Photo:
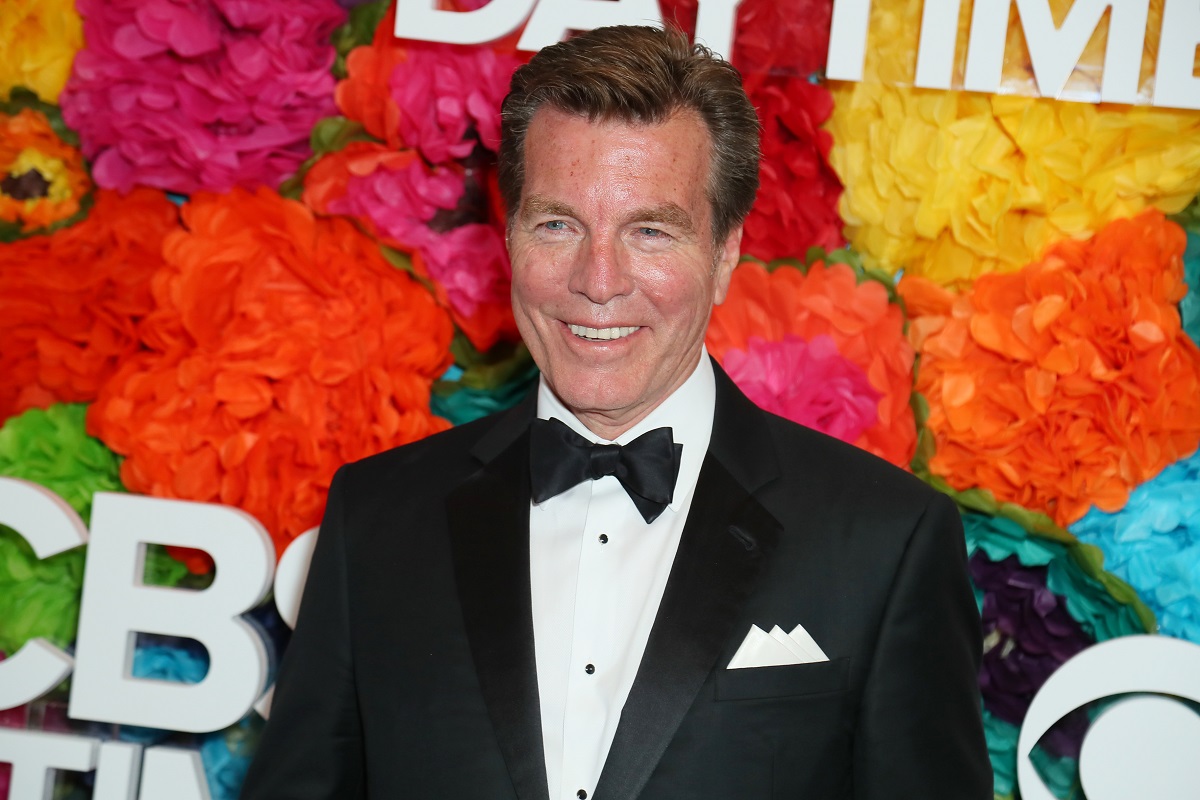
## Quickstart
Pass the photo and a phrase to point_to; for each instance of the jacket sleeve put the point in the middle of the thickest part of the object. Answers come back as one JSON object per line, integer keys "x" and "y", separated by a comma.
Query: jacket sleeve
{"x": 313, "y": 745}
{"x": 920, "y": 733}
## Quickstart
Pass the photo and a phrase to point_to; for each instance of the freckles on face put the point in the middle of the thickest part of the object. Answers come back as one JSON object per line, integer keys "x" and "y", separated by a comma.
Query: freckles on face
{"x": 614, "y": 271}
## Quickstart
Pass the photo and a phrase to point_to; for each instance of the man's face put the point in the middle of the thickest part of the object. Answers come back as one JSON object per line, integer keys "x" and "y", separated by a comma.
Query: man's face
{"x": 614, "y": 268}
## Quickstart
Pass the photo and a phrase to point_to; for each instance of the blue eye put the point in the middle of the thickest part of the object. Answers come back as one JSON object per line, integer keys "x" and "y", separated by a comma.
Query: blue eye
{"x": 556, "y": 225}
{"x": 652, "y": 232}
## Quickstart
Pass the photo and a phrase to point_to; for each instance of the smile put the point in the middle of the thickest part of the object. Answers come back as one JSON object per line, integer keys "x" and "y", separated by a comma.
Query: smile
{"x": 602, "y": 334}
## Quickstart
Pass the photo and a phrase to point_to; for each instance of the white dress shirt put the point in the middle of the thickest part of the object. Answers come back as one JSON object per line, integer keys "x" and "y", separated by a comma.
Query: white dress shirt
{"x": 598, "y": 572}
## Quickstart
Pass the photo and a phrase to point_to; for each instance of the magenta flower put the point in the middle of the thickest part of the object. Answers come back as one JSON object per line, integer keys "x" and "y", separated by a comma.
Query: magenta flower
{"x": 470, "y": 263}
{"x": 808, "y": 382}
{"x": 211, "y": 94}
{"x": 401, "y": 202}
{"x": 449, "y": 98}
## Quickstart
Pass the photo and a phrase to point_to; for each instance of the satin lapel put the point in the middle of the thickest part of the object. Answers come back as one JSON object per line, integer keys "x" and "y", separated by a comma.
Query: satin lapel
{"x": 489, "y": 529}
{"x": 726, "y": 543}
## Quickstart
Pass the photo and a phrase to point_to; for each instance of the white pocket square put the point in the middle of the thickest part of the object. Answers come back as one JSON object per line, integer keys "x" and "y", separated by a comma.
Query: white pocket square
{"x": 776, "y": 649}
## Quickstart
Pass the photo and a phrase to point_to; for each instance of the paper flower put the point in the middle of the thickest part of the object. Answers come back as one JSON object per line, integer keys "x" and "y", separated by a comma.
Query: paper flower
{"x": 69, "y": 302}
{"x": 952, "y": 185}
{"x": 808, "y": 382}
{"x": 448, "y": 98}
{"x": 469, "y": 264}
{"x": 51, "y": 448}
{"x": 42, "y": 178}
{"x": 796, "y": 206}
{"x": 1069, "y": 383}
{"x": 1154, "y": 544}
{"x": 38, "y": 597}
{"x": 422, "y": 210}
{"x": 187, "y": 96}
{"x": 226, "y": 756}
{"x": 771, "y": 37}
{"x": 280, "y": 347}
{"x": 1028, "y": 634}
{"x": 1041, "y": 601}
{"x": 38, "y": 40}
{"x": 441, "y": 99}
{"x": 857, "y": 317}
{"x": 1189, "y": 306}
{"x": 364, "y": 96}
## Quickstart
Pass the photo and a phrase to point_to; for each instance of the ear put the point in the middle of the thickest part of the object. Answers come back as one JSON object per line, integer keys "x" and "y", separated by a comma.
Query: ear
{"x": 727, "y": 259}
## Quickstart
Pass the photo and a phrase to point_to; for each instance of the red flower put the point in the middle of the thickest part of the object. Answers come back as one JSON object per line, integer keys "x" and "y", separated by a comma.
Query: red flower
{"x": 281, "y": 347}
{"x": 69, "y": 302}
{"x": 798, "y": 192}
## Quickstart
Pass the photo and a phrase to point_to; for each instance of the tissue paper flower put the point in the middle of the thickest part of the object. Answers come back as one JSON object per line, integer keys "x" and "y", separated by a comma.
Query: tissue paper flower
{"x": 51, "y": 448}
{"x": 829, "y": 302}
{"x": 42, "y": 178}
{"x": 441, "y": 99}
{"x": 770, "y": 37}
{"x": 420, "y": 210}
{"x": 40, "y": 597}
{"x": 187, "y": 96}
{"x": 1065, "y": 384}
{"x": 796, "y": 206}
{"x": 1042, "y": 600}
{"x": 449, "y": 98}
{"x": 281, "y": 346}
{"x": 1154, "y": 544}
{"x": 952, "y": 185}
{"x": 70, "y": 301}
{"x": 38, "y": 40}
{"x": 808, "y": 382}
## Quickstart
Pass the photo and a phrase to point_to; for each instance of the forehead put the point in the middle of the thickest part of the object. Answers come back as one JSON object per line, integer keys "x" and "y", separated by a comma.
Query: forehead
{"x": 570, "y": 151}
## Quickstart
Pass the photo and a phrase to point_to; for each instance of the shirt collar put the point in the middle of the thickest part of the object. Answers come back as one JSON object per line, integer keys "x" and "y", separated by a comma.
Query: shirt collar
{"x": 688, "y": 412}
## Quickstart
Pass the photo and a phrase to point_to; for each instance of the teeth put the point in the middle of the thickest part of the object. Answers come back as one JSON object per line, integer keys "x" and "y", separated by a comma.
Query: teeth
{"x": 602, "y": 334}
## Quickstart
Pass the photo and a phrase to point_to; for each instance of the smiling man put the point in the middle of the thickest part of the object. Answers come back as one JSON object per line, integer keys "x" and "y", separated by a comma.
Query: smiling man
{"x": 635, "y": 584}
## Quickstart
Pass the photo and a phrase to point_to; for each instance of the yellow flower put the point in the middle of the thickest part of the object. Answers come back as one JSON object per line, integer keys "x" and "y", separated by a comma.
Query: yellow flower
{"x": 952, "y": 185}
{"x": 38, "y": 42}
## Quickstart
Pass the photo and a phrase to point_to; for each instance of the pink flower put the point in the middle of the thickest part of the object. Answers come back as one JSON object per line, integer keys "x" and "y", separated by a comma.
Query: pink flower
{"x": 449, "y": 98}
{"x": 211, "y": 94}
{"x": 471, "y": 264}
{"x": 400, "y": 203}
{"x": 808, "y": 382}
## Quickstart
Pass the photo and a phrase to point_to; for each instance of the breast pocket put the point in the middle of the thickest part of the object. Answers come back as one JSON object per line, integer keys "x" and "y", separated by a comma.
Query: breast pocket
{"x": 791, "y": 680}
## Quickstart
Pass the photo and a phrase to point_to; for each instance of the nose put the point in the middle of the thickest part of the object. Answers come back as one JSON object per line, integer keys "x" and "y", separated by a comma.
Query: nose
{"x": 601, "y": 270}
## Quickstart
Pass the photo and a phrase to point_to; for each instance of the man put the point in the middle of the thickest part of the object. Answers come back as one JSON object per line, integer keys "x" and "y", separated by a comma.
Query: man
{"x": 503, "y": 611}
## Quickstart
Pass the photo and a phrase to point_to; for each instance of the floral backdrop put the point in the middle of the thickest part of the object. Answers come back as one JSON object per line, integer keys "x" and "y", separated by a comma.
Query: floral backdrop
{"x": 245, "y": 241}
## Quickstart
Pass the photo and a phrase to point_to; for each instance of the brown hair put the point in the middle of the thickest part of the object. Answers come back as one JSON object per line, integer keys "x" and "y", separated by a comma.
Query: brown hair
{"x": 639, "y": 75}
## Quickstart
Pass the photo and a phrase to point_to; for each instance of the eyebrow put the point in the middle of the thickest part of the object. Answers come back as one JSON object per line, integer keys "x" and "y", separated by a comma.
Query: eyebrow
{"x": 536, "y": 205}
{"x": 667, "y": 214}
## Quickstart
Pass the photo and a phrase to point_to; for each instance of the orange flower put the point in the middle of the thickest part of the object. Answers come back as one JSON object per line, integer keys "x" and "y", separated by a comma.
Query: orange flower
{"x": 365, "y": 95}
{"x": 281, "y": 347}
{"x": 828, "y": 301}
{"x": 1068, "y": 383}
{"x": 69, "y": 301}
{"x": 44, "y": 177}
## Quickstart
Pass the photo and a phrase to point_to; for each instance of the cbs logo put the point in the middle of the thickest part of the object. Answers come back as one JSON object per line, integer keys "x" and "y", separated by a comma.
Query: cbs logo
{"x": 1145, "y": 746}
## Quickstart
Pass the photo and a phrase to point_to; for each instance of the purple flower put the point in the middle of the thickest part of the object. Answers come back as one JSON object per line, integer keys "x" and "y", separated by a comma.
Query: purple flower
{"x": 1028, "y": 634}
{"x": 214, "y": 94}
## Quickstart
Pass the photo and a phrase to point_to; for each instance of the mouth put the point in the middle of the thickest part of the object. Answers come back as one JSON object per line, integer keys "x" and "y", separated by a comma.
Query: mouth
{"x": 602, "y": 334}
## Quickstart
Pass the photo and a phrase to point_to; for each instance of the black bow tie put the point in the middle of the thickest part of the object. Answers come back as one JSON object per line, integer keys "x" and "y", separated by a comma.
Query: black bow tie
{"x": 647, "y": 467}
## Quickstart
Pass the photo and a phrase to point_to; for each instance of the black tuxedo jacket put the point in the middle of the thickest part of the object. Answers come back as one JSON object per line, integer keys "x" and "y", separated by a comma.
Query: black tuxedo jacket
{"x": 411, "y": 672}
